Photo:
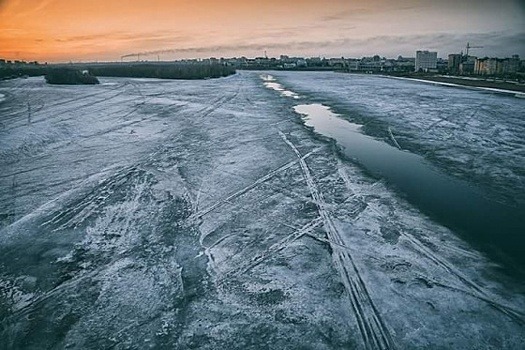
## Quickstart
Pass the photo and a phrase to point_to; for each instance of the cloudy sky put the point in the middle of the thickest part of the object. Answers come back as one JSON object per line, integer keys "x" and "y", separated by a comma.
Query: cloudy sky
{"x": 105, "y": 30}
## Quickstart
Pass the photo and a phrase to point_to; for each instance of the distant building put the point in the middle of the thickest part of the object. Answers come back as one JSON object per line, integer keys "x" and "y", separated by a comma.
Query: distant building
{"x": 352, "y": 64}
{"x": 262, "y": 60}
{"x": 466, "y": 67}
{"x": 442, "y": 65}
{"x": 454, "y": 60}
{"x": 497, "y": 66}
{"x": 425, "y": 61}
{"x": 485, "y": 66}
{"x": 511, "y": 65}
{"x": 315, "y": 62}
{"x": 301, "y": 62}
{"x": 371, "y": 64}
{"x": 405, "y": 64}
{"x": 336, "y": 62}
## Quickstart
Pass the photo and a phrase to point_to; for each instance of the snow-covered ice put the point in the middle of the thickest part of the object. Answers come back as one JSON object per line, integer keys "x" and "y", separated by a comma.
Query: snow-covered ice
{"x": 270, "y": 83}
{"x": 142, "y": 213}
{"x": 472, "y": 134}
{"x": 495, "y": 227}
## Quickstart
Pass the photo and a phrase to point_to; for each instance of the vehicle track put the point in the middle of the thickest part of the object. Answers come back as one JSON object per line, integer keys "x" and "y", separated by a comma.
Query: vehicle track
{"x": 84, "y": 207}
{"x": 62, "y": 103}
{"x": 273, "y": 249}
{"x": 394, "y": 141}
{"x": 473, "y": 289}
{"x": 373, "y": 329}
{"x": 52, "y": 115}
{"x": 117, "y": 224}
{"x": 83, "y": 97}
{"x": 215, "y": 104}
{"x": 275, "y": 188}
{"x": 242, "y": 191}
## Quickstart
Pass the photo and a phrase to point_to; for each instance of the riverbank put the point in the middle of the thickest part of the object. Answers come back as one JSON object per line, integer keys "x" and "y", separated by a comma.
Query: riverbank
{"x": 470, "y": 82}
{"x": 449, "y": 128}
{"x": 162, "y": 70}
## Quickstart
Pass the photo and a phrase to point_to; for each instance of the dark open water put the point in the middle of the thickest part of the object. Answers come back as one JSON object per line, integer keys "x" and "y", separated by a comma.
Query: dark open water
{"x": 495, "y": 228}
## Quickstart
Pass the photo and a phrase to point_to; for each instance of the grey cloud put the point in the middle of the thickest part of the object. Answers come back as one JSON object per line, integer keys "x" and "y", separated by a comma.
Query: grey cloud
{"x": 161, "y": 37}
{"x": 495, "y": 44}
{"x": 364, "y": 12}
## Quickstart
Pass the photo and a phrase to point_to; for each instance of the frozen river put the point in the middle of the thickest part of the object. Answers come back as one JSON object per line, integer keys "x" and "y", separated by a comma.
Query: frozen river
{"x": 142, "y": 213}
{"x": 491, "y": 225}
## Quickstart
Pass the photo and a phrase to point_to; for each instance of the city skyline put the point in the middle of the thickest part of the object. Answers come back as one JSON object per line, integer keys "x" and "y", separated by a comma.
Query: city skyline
{"x": 61, "y": 31}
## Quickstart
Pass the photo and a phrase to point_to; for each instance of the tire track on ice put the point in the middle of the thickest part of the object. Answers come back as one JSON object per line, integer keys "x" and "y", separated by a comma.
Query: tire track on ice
{"x": 77, "y": 212}
{"x": 242, "y": 191}
{"x": 83, "y": 97}
{"x": 474, "y": 289}
{"x": 118, "y": 223}
{"x": 393, "y": 138}
{"x": 373, "y": 329}
{"x": 216, "y": 104}
{"x": 275, "y": 188}
{"x": 22, "y": 113}
{"x": 273, "y": 249}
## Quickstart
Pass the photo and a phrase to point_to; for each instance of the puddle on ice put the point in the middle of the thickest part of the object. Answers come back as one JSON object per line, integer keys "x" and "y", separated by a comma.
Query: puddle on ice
{"x": 452, "y": 202}
{"x": 270, "y": 83}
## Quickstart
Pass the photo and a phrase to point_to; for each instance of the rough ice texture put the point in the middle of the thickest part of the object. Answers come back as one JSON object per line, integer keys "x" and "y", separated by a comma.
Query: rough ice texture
{"x": 471, "y": 134}
{"x": 202, "y": 214}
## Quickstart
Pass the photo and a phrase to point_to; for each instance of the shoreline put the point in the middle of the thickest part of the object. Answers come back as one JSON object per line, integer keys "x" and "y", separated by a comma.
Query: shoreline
{"x": 484, "y": 85}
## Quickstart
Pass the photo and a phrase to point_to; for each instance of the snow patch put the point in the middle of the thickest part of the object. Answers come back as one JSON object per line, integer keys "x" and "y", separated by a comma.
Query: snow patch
{"x": 270, "y": 83}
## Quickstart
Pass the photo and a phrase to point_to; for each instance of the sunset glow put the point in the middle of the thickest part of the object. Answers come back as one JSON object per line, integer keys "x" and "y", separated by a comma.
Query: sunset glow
{"x": 64, "y": 30}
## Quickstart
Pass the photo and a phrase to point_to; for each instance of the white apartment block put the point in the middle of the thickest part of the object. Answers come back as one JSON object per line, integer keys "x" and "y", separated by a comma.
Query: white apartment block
{"x": 425, "y": 60}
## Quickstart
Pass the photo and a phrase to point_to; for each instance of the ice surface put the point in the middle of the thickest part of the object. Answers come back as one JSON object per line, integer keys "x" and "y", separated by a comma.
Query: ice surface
{"x": 471, "y": 134}
{"x": 270, "y": 83}
{"x": 141, "y": 213}
{"x": 490, "y": 225}
{"x": 502, "y": 91}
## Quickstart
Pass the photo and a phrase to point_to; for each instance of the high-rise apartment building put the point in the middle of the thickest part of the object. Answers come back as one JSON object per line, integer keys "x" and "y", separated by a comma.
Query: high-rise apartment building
{"x": 454, "y": 60}
{"x": 425, "y": 61}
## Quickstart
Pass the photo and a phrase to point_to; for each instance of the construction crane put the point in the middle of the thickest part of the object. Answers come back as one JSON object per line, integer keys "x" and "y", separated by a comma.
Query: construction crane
{"x": 471, "y": 47}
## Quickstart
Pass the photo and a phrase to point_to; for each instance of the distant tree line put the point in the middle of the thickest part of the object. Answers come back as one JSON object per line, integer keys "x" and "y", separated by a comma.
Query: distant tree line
{"x": 163, "y": 71}
{"x": 70, "y": 76}
{"x": 53, "y": 74}
{"x": 73, "y": 74}
{"x": 12, "y": 71}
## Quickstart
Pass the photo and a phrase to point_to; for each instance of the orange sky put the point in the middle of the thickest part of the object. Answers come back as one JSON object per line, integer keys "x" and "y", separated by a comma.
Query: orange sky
{"x": 64, "y": 30}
